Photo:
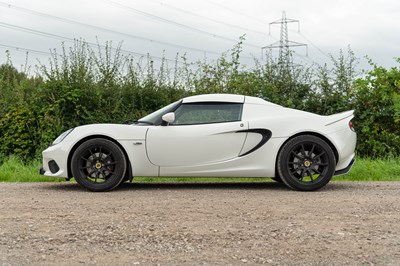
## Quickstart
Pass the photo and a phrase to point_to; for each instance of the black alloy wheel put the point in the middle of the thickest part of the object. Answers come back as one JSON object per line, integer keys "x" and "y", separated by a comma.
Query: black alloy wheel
{"x": 98, "y": 165}
{"x": 306, "y": 163}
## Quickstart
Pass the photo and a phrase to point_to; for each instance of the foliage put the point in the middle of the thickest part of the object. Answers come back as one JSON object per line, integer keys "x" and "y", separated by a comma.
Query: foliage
{"x": 82, "y": 85}
{"x": 18, "y": 131}
{"x": 378, "y": 112}
{"x": 334, "y": 88}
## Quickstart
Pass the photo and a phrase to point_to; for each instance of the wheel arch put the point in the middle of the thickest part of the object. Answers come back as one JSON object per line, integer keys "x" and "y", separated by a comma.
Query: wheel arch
{"x": 71, "y": 153}
{"x": 335, "y": 152}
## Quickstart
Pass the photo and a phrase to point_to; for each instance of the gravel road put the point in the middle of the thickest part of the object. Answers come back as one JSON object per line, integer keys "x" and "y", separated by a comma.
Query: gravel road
{"x": 349, "y": 223}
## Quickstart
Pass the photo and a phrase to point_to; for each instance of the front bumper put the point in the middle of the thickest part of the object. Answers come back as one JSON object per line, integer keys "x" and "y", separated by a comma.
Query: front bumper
{"x": 55, "y": 161}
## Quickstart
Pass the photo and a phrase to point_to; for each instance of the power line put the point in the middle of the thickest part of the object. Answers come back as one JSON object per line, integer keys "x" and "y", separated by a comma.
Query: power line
{"x": 137, "y": 11}
{"x": 319, "y": 49}
{"x": 41, "y": 33}
{"x": 72, "y": 40}
{"x": 254, "y": 18}
{"x": 68, "y": 39}
{"x": 306, "y": 58}
{"x": 237, "y": 12}
{"x": 59, "y": 37}
{"x": 264, "y": 22}
{"x": 19, "y": 49}
{"x": 207, "y": 18}
{"x": 29, "y": 11}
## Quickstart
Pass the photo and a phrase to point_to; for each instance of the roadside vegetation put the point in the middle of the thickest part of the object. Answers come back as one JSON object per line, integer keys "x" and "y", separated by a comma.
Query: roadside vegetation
{"x": 81, "y": 85}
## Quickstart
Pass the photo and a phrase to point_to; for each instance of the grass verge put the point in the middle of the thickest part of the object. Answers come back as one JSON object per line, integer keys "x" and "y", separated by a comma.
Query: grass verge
{"x": 14, "y": 170}
{"x": 373, "y": 170}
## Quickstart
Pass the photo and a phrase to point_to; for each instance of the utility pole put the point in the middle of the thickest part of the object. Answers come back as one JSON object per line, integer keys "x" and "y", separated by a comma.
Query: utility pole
{"x": 285, "y": 57}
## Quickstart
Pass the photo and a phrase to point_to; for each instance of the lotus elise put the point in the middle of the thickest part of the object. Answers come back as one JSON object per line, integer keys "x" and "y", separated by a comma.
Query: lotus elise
{"x": 213, "y": 135}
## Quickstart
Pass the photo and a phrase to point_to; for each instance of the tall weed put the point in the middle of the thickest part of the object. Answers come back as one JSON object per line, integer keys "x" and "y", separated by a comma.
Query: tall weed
{"x": 82, "y": 85}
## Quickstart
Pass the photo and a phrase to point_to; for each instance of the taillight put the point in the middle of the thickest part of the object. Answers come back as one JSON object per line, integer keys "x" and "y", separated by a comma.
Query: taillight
{"x": 351, "y": 126}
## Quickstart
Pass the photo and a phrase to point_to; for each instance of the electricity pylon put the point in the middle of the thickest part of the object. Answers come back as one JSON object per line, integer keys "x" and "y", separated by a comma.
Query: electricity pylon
{"x": 285, "y": 56}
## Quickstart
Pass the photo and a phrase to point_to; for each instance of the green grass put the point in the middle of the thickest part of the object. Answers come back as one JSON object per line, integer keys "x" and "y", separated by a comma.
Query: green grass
{"x": 14, "y": 170}
{"x": 373, "y": 170}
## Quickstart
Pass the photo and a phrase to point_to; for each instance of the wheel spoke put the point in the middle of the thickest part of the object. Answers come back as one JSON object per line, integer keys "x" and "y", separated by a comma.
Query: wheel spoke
{"x": 295, "y": 163}
{"x": 319, "y": 155}
{"x": 109, "y": 170}
{"x": 317, "y": 171}
{"x": 90, "y": 173}
{"x": 297, "y": 156}
{"x": 303, "y": 171}
{"x": 108, "y": 155}
{"x": 96, "y": 176}
{"x": 85, "y": 159}
{"x": 112, "y": 163}
{"x": 295, "y": 171}
{"x": 103, "y": 174}
{"x": 311, "y": 177}
{"x": 100, "y": 153}
{"x": 303, "y": 151}
{"x": 321, "y": 164}
{"x": 312, "y": 150}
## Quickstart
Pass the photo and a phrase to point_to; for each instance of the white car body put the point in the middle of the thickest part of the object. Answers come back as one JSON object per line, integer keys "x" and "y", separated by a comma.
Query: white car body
{"x": 248, "y": 147}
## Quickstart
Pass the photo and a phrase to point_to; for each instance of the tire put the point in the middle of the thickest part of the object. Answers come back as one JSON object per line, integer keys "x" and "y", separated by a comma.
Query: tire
{"x": 306, "y": 163}
{"x": 98, "y": 165}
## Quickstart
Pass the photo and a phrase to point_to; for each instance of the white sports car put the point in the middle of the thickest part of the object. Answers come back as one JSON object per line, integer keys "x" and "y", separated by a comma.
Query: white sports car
{"x": 214, "y": 135}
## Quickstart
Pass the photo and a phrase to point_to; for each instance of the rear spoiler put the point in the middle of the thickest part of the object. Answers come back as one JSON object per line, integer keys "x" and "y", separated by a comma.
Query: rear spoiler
{"x": 338, "y": 117}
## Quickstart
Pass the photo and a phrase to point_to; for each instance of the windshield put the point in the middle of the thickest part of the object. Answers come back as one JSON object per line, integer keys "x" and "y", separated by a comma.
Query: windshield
{"x": 155, "y": 117}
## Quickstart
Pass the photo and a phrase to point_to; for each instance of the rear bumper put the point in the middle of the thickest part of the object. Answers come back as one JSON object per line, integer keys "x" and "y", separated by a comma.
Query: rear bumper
{"x": 347, "y": 169}
{"x": 41, "y": 170}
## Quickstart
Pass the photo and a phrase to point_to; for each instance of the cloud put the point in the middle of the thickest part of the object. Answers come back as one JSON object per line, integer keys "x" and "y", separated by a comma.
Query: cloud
{"x": 367, "y": 26}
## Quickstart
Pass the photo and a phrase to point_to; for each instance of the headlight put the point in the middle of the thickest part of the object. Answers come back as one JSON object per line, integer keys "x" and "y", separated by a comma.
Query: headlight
{"x": 62, "y": 137}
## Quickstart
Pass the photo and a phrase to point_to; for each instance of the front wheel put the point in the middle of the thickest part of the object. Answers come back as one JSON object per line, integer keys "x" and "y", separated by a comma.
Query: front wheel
{"x": 98, "y": 165}
{"x": 306, "y": 163}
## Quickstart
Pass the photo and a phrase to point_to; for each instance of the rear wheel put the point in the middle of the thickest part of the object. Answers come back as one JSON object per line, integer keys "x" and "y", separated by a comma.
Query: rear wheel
{"x": 98, "y": 165}
{"x": 306, "y": 163}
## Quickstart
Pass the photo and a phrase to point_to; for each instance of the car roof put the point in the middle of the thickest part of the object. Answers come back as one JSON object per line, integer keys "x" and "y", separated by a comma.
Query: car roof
{"x": 231, "y": 98}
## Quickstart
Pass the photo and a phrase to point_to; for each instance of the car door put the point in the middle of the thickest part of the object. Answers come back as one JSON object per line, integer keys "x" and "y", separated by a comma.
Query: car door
{"x": 202, "y": 133}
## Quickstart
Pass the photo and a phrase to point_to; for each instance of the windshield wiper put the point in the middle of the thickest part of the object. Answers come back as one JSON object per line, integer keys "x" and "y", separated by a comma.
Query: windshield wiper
{"x": 144, "y": 122}
{"x": 130, "y": 122}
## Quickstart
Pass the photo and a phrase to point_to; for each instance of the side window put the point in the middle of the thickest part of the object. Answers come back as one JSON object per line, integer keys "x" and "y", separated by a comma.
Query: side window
{"x": 205, "y": 113}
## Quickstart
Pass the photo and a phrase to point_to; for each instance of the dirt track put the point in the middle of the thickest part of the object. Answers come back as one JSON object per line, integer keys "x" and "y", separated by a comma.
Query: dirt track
{"x": 192, "y": 224}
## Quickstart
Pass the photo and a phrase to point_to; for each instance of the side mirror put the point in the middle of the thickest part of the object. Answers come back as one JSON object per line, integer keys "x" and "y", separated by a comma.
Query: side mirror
{"x": 169, "y": 117}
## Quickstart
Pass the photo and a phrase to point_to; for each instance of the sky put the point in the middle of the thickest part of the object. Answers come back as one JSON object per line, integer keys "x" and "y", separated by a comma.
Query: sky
{"x": 202, "y": 29}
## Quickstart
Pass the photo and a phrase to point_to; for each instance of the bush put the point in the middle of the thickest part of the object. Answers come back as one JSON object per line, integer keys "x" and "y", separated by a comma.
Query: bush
{"x": 83, "y": 86}
{"x": 377, "y": 107}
